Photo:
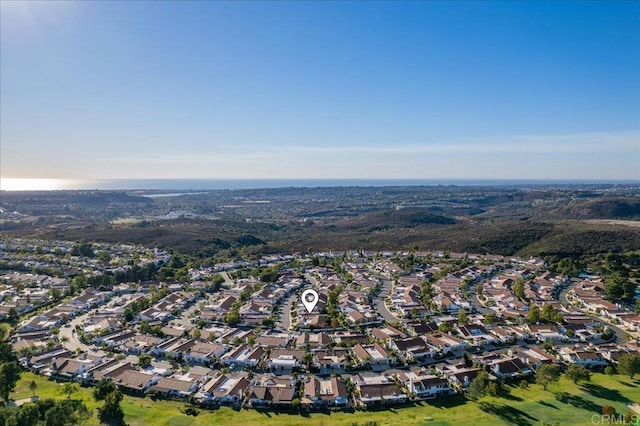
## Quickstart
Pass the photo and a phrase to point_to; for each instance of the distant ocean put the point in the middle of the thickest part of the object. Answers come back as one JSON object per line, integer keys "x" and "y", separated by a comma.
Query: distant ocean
{"x": 213, "y": 184}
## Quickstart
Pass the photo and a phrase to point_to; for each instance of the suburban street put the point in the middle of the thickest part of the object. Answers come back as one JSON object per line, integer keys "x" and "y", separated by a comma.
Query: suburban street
{"x": 69, "y": 330}
{"x": 284, "y": 316}
{"x": 381, "y": 307}
{"x": 72, "y": 343}
{"x": 621, "y": 335}
{"x": 480, "y": 308}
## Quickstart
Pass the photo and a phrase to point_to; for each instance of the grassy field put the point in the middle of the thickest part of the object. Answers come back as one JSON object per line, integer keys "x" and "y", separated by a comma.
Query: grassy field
{"x": 565, "y": 403}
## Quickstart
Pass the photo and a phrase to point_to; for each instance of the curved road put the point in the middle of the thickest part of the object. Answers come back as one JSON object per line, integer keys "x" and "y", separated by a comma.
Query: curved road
{"x": 381, "y": 307}
{"x": 72, "y": 343}
{"x": 621, "y": 335}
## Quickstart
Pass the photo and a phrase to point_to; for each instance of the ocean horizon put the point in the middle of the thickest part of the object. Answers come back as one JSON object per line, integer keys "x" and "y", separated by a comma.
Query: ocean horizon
{"x": 9, "y": 184}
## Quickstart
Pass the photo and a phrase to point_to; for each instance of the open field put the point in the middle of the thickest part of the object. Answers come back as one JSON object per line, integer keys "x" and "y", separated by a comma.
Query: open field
{"x": 564, "y": 402}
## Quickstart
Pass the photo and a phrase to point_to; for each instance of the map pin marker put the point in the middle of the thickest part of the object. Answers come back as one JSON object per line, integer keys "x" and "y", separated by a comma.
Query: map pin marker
{"x": 309, "y": 299}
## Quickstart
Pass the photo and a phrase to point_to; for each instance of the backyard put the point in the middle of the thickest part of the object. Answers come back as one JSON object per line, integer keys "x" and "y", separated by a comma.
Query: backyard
{"x": 565, "y": 403}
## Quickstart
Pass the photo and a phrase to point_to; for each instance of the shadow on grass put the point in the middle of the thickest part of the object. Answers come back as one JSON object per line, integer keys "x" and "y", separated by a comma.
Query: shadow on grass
{"x": 264, "y": 413}
{"x": 448, "y": 402}
{"x": 510, "y": 397}
{"x": 547, "y": 404}
{"x": 509, "y": 414}
{"x": 631, "y": 385}
{"x": 578, "y": 401}
{"x": 605, "y": 393}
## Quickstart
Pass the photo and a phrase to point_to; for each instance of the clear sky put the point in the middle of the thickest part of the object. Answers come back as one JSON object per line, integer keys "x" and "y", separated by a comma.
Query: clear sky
{"x": 505, "y": 90}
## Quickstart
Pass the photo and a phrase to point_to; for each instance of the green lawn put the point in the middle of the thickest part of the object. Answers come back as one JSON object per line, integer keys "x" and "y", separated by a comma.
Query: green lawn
{"x": 564, "y": 402}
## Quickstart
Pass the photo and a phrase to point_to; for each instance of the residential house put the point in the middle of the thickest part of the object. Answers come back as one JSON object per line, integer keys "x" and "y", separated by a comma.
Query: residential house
{"x": 331, "y": 392}
{"x": 413, "y": 348}
{"x": 424, "y": 386}
{"x": 510, "y": 368}
{"x": 271, "y": 391}
{"x": 376, "y": 389}
{"x": 172, "y": 387}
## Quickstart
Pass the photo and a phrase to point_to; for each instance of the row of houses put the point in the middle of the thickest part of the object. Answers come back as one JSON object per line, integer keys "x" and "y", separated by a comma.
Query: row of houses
{"x": 590, "y": 295}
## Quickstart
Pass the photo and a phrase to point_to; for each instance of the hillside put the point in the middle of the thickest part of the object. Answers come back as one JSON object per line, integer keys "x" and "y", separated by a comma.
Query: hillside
{"x": 604, "y": 208}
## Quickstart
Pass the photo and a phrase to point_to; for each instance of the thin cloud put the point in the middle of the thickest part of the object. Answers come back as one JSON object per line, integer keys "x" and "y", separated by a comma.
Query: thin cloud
{"x": 574, "y": 143}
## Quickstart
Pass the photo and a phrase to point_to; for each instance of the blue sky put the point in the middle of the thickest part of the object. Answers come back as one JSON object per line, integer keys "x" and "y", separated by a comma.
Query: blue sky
{"x": 502, "y": 90}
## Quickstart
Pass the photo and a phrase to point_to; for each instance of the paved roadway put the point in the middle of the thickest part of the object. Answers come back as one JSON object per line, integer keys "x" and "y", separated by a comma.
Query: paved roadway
{"x": 72, "y": 343}
{"x": 379, "y": 304}
{"x": 284, "y": 310}
{"x": 621, "y": 335}
{"x": 284, "y": 315}
{"x": 476, "y": 301}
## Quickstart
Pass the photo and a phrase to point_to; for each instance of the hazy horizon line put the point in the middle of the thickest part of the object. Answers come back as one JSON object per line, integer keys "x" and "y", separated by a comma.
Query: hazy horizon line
{"x": 172, "y": 184}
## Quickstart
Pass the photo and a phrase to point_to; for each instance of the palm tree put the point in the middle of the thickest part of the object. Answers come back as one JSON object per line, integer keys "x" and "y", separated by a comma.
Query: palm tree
{"x": 33, "y": 386}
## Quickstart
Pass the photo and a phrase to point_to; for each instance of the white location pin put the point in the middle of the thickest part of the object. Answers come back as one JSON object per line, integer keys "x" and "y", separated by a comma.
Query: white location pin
{"x": 309, "y": 299}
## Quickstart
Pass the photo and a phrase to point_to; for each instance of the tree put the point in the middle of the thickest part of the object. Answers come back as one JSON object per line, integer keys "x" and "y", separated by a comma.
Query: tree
{"x": 27, "y": 415}
{"x": 547, "y": 374}
{"x": 518, "y": 289}
{"x": 218, "y": 280}
{"x": 6, "y": 351}
{"x": 111, "y": 412}
{"x": 550, "y": 314}
{"x": 69, "y": 388}
{"x": 490, "y": 318}
{"x": 232, "y": 317}
{"x": 58, "y": 415}
{"x": 548, "y": 346}
{"x": 307, "y": 358}
{"x": 578, "y": 373}
{"x": 608, "y": 370}
{"x": 33, "y": 386}
{"x": 269, "y": 275}
{"x": 83, "y": 414}
{"x": 524, "y": 385}
{"x": 492, "y": 389}
{"x": 13, "y": 315}
{"x": 9, "y": 376}
{"x": 478, "y": 386}
{"x": 445, "y": 327}
{"x": 102, "y": 388}
{"x": 144, "y": 360}
{"x": 197, "y": 334}
{"x": 463, "y": 318}
{"x": 534, "y": 315}
{"x": 128, "y": 315}
{"x": 629, "y": 364}
{"x": 83, "y": 249}
{"x": 467, "y": 360}
{"x": 618, "y": 288}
